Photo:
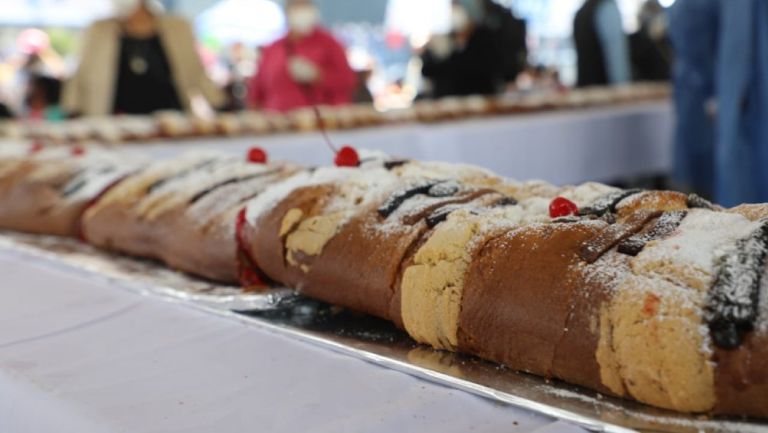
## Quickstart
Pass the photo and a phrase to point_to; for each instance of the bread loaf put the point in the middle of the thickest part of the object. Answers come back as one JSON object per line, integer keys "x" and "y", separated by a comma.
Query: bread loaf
{"x": 654, "y": 296}
{"x": 46, "y": 190}
{"x": 649, "y": 295}
{"x": 182, "y": 212}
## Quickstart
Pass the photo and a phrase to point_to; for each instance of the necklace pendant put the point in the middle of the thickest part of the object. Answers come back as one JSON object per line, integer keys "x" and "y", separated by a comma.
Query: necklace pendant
{"x": 138, "y": 65}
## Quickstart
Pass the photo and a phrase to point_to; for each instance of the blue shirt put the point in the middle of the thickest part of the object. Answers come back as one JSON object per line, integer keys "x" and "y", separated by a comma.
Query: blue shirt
{"x": 614, "y": 41}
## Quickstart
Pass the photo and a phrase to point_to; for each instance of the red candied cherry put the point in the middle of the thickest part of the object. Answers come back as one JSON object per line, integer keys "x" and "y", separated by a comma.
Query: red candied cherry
{"x": 347, "y": 157}
{"x": 562, "y": 207}
{"x": 77, "y": 151}
{"x": 257, "y": 155}
{"x": 36, "y": 147}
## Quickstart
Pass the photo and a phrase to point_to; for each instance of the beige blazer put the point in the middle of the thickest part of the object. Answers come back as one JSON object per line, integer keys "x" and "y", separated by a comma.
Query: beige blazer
{"x": 91, "y": 91}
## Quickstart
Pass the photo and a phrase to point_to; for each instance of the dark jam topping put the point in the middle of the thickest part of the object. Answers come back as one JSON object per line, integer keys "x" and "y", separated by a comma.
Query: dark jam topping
{"x": 166, "y": 180}
{"x": 732, "y": 305}
{"x": 505, "y": 202}
{"x": 440, "y": 215}
{"x": 397, "y": 199}
{"x": 697, "y": 202}
{"x": 199, "y": 196}
{"x": 609, "y": 217}
{"x": 75, "y": 182}
{"x": 607, "y": 204}
{"x": 391, "y": 165}
{"x": 81, "y": 179}
{"x": 613, "y": 234}
{"x": 433, "y": 188}
{"x": 663, "y": 227}
{"x": 566, "y": 220}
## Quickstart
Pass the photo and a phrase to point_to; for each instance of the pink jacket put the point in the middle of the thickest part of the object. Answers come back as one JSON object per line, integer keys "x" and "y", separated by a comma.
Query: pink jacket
{"x": 273, "y": 88}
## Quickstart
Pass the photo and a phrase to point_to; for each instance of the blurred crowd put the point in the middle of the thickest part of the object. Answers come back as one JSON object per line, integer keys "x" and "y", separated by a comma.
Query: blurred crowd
{"x": 143, "y": 60}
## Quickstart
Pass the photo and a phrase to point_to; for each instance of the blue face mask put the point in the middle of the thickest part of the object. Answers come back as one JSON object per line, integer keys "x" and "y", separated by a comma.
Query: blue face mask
{"x": 474, "y": 8}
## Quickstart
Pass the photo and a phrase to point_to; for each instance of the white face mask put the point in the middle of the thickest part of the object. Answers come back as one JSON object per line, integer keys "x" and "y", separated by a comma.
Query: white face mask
{"x": 459, "y": 19}
{"x": 125, "y": 8}
{"x": 303, "y": 19}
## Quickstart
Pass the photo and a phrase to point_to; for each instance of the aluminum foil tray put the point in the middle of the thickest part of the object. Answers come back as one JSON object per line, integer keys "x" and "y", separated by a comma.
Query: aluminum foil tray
{"x": 283, "y": 311}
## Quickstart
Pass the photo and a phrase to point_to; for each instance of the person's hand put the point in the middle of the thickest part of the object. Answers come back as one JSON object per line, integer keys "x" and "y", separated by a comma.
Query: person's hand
{"x": 303, "y": 71}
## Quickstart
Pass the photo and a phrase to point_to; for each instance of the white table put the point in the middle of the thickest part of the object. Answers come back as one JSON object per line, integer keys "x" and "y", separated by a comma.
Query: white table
{"x": 601, "y": 144}
{"x": 80, "y": 356}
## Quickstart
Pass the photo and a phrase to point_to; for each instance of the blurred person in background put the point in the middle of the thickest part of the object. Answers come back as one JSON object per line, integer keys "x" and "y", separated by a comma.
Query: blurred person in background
{"x": 42, "y": 98}
{"x": 239, "y": 62}
{"x": 602, "y": 47}
{"x": 721, "y": 79}
{"x": 741, "y": 144}
{"x": 34, "y": 57}
{"x": 362, "y": 94}
{"x": 511, "y": 33}
{"x": 139, "y": 62}
{"x": 306, "y": 67}
{"x": 5, "y": 111}
{"x": 466, "y": 62}
{"x": 649, "y": 46}
{"x": 693, "y": 31}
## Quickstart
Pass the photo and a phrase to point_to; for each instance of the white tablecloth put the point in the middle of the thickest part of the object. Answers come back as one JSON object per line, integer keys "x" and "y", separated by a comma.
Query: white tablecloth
{"x": 601, "y": 144}
{"x": 79, "y": 356}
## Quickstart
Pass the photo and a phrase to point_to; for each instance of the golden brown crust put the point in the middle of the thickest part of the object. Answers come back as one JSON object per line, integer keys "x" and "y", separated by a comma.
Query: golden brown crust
{"x": 742, "y": 378}
{"x": 519, "y": 294}
{"x": 366, "y": 256}
{"x": 657, "y": 201}
{"x": 189, "y": 227}
{"x": 529, "y": 301}
{"x": 366, "y": 260}
{"x": 577, "y": 353}
{"x": 752, "y": 212}
{"x": 35, "y": 204}
{"x": 267, "y": 235}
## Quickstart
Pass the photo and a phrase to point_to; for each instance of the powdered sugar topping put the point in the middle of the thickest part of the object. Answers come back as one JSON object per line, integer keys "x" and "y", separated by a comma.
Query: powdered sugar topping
{"x": 588, "y": 193}
{"x": 278, "y": 192}
{"x": 97, "y": 177}
{"x": 695, "y": 246}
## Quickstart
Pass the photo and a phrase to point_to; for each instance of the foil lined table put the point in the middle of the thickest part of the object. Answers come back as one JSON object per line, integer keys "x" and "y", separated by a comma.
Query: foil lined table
{"x": 103, "y": 359}
{"x": 81, "y": 353}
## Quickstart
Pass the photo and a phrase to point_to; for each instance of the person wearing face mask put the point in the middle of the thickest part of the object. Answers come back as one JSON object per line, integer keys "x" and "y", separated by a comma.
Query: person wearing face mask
{"x": 466, "y": 62}
{"x": 138, "y": 62}
{"x": 306, "y": 67}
